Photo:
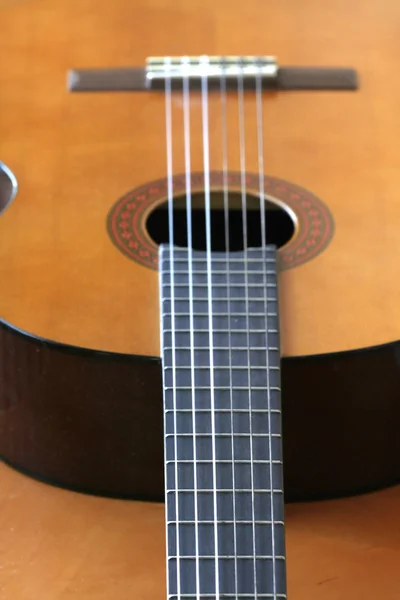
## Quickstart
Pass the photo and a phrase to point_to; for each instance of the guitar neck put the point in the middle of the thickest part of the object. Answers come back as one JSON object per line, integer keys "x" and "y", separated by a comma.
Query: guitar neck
{"x": 222, "y": 425}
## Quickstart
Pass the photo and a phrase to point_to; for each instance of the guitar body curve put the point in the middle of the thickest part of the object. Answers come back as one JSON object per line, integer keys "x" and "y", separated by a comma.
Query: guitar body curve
{"x": 81, "y": 419}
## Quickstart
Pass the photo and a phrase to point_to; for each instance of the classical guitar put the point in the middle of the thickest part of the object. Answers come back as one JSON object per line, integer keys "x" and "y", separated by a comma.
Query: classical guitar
{"x": 199, "y": 303}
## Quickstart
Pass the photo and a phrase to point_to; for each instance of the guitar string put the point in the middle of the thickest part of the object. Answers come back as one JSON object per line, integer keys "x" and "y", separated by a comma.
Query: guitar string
{"x": 208, "y": 236}
{"x": 186, "y": 118}
{"x": 168, "y": 118}
{"x": 227, "y": 248}
{"x": 242, "y": 147}
{"x": 206, "y": 160}
{"x": 260, "y": 143}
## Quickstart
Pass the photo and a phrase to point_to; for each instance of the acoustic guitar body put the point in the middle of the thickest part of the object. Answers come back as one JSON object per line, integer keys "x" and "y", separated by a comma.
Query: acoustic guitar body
{"x": 83, "y": 183}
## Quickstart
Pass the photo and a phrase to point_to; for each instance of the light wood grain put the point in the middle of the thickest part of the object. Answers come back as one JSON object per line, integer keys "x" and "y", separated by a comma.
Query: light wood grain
{"x": 75, "y": 155}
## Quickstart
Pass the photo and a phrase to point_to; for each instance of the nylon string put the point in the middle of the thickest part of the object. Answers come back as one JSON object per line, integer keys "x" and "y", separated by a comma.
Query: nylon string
{"x": 242, "y": 147}
{"x": 168, "y": 120}
{"x": 186, "y": 119}
{"x": 227, "y": 246}
{"x": 206, "y": 161}
{"x": 260, "y": 143}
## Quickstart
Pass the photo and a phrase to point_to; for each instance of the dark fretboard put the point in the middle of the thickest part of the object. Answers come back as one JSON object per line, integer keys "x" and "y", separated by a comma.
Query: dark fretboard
{"x": 223, "y": 454}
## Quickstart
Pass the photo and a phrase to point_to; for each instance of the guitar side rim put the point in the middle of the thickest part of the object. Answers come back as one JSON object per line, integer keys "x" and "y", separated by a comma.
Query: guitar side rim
{"x": 101, "y": 446}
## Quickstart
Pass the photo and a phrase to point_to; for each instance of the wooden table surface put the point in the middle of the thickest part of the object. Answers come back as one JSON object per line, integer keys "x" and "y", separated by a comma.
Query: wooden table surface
{"x": 60, "y": 545}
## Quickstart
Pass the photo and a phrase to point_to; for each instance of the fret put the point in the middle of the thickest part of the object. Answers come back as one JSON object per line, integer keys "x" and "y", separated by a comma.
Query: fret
{"x": 231, "y": 281}
{"x": 225, "y": 596}
{"x": 259, "y": 477}
{"x": 251, "y": 316}
{"x": 225, "y": 435}
{"x": 216, "y": 262}
{"x": 225, "y": 359}
{"x": 225, "y": 399}
{"x": 198, "y": 314}
{"x": 222, "y": 378}
{"x": 218, "y": 274}
{"x": 235, "y": 286}
{"x": 222, "y": 425}
{"x": 260, "y": 504}
{"x": 253, "y": 293}
{"x": 236, "y": 338}
{"x": 219, "y": 368}
{"x": 223, "y": 491}
{"x": 227, "y": 557}
{"x": 200, "y": 255}
{"x": 226, "y": 331}
{"x": 226, "y": 531}
{"x": 236, "y": 522}
{"x": 251, "y": 426}
{"x": 228, "y": 447}
{"x": 237, "y": 308}
{"x": 182, "y": 324}
{"x": 243, "y": 272}
{"x": 232, "y": 301}
{"x": 219, "y": 436}
{"x": 222, "y": 410}
{"x": 217, "y": 316}
{"x": 224, "y": 299}
{"x": 222, "y": 387}
{"x": 226, "y": 348}
{"x": 244, "y": 568}
{"x": 224, "y": 462}
{"x": 215, "y": 258}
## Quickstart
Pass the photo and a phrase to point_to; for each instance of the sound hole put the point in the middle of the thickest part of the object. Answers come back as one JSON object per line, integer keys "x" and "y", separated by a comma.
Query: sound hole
{"x": 279, "y": 224}
{"x": 8, "y": 187}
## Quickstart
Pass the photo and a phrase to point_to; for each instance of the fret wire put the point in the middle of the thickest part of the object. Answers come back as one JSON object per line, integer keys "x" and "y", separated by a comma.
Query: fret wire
{"x": 258, "y": 435}
{"x": 183, "y": 299}
{"x": 238, "y": 522}
{"x": 220, "y": 368}
{"x": 216, "y": 315}
{"x": 224, "y": 410}
{"x": 221, "y": 314}
{"x": 222, "y": 387}
{"x": 220, "y": 285}
{"x": 223, "y": 461}
{"x": 229, "y": 557}
{"x": 227, "y": 596}
{"x": 219, "y": 273}
{"x": 216, "y": 256}
{"x": 239, "y": 348}
{"x": 220, "y": 260}
{"x": 167, "y": 330}
{"x": 222, "y": 491}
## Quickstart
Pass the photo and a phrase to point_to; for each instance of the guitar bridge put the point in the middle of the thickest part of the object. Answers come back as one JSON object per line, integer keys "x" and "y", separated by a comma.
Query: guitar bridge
{"x": 251, "y": 69}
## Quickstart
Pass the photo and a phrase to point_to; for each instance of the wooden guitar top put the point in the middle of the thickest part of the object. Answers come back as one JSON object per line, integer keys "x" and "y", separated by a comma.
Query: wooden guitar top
{"x": 75, "y": 155}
